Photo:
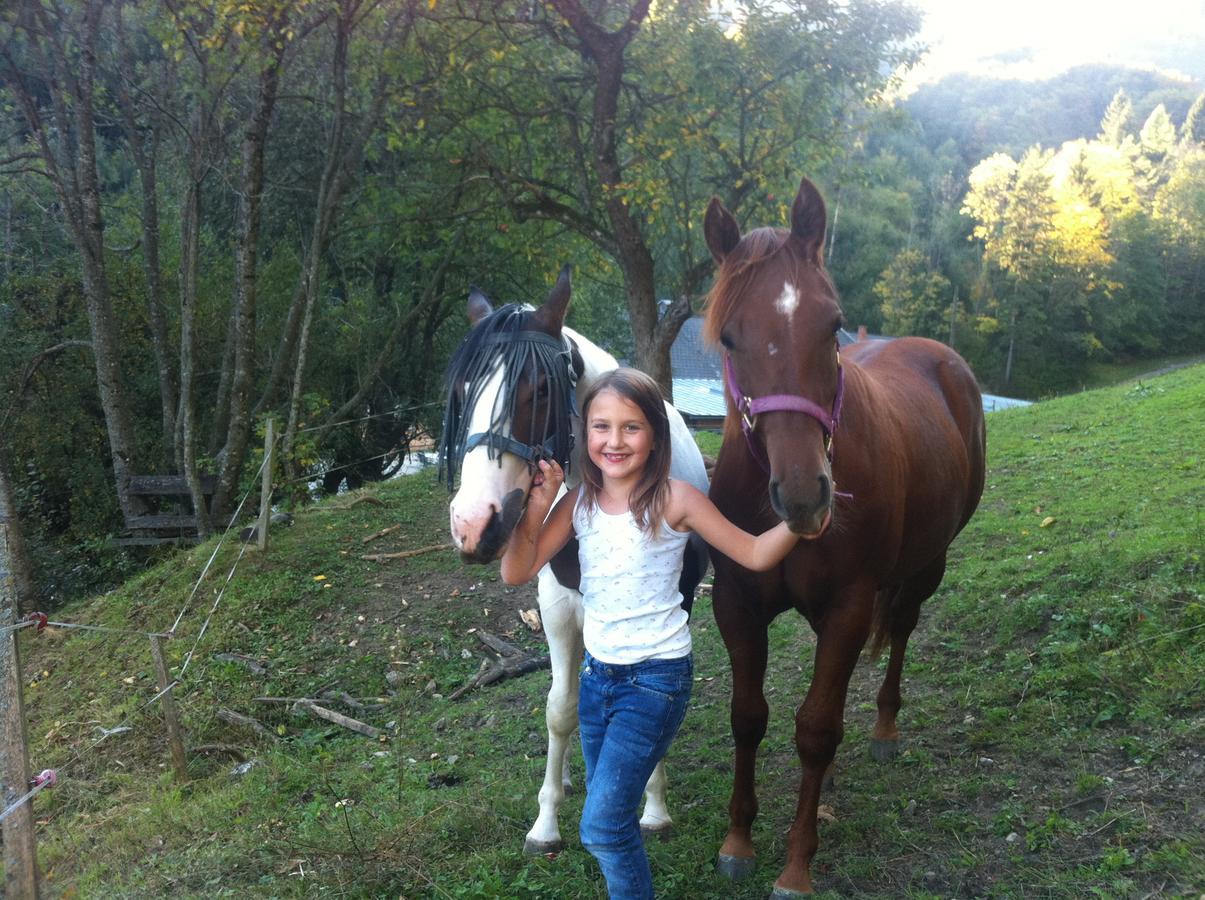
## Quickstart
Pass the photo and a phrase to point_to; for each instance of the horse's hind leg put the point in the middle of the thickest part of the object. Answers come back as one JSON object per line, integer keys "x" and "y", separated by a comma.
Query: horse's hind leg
{"x": 901, "y": 620}
{"x": 560, "y": 611}
{"x": 656, "y": 820}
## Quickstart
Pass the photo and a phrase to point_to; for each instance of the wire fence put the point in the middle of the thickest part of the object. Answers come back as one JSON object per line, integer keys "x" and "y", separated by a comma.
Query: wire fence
{"x": 38, "y": 621}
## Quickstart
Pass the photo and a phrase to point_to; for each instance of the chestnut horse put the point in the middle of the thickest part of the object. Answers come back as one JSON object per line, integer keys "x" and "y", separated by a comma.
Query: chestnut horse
{"x": 874, "y": 454}
{"x": 515, "y": 387}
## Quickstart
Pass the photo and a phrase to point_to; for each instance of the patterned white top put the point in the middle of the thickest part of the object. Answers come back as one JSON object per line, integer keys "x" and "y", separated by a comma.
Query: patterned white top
{"x": 633, "y": 609}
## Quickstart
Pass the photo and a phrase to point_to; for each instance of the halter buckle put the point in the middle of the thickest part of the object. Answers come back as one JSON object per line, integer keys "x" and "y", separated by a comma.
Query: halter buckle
{"x": 744, "y": 406}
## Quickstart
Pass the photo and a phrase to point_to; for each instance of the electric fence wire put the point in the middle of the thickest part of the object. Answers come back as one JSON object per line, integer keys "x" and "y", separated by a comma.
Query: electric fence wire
{"x": 222, "y": 539}
{"x": 392, "y": 412}
{"x": 78, "y": 755}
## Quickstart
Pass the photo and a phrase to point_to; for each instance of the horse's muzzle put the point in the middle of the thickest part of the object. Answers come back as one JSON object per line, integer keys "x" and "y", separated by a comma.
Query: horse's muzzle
{"x": 492, "y": 543}
{"x": 808, "y": 513}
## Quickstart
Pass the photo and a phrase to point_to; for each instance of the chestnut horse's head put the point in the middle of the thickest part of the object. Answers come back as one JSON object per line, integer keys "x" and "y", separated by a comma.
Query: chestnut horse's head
{"x": 774, "y": 309}
{"x": 511, "y": 397}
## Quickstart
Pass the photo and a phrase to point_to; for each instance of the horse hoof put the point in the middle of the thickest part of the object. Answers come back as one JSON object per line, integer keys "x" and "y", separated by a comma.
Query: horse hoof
{"x": 532, "y": 847}
{"x": 662, "y": 833}
{"x": 781, "y": 893}
{"x": 884, "y": 750}
{"x": 738, "y": 868}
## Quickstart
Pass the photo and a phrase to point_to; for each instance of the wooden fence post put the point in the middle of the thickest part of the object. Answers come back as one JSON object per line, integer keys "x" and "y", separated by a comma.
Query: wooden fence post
{"x": 175, "y": 735}
{"x": 265, "y": 491}
{"x": 20, "y": 851}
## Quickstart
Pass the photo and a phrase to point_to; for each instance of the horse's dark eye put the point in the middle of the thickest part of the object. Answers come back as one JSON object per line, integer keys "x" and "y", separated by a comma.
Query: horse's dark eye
{"x": 726, "y": 341}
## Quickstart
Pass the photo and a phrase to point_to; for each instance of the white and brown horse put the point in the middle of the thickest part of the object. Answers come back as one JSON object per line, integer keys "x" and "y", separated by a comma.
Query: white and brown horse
{"x": 514, "y": 390}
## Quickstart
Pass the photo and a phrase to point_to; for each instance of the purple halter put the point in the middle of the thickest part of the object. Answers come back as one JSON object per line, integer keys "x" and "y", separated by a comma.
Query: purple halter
{"x": 750, "y": 408}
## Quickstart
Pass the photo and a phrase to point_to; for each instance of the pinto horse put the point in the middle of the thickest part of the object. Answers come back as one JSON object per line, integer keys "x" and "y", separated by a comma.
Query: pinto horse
{"x": 515, "y": 387}
{"x": 874, "y": 454}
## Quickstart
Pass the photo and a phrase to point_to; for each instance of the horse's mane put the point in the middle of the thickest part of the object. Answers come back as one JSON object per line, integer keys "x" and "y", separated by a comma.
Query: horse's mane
{"x": 499, "y": 339}
{"x": 762, "y": 245}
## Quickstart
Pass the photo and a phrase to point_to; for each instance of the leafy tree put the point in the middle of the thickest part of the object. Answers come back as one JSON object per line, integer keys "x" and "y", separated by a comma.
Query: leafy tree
{"x": 915, "y": 300}
{"x": 617, "y": 120}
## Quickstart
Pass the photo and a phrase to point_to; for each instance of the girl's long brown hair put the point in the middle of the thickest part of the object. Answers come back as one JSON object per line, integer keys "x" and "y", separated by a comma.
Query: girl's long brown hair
{"x": 648, "y": 499}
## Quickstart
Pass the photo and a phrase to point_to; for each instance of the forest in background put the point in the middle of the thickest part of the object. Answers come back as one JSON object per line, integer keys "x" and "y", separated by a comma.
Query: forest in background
{"x": 213, "y": 213}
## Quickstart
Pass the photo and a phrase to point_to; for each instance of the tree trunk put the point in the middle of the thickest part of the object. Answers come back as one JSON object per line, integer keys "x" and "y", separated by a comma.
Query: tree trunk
{"x": 343, "y": 157}
{"x": 238, "y": 428}
{"x": 145, "y": 158}
{"x": 190, "y": 227}
{"x": 1012, "y": 340}
{"x": 606, "y": 50}
{"x": 70, "y": 159}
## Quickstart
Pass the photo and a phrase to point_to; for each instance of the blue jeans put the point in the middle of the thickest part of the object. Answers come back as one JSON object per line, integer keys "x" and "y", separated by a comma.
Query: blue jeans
{"x": 628, "y": 715}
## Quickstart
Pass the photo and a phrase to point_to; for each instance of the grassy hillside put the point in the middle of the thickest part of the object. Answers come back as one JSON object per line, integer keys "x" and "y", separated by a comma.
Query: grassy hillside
{"x": 1053, "y": 714}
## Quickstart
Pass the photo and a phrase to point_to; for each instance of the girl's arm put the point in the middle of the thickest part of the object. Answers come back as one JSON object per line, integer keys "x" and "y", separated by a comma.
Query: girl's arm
{"x": 531, "y": 546}
{"x": 691, "y": 509}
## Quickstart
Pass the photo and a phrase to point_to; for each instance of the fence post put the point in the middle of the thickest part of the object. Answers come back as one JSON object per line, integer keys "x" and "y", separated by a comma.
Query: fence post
{"x": 20, "y": 851}
{"x": 265, "y": 491}
{"x": 175, "y": 735}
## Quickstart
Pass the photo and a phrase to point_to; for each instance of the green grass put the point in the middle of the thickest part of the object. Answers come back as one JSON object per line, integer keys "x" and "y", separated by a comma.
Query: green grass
{"x": 1053, "y": 714}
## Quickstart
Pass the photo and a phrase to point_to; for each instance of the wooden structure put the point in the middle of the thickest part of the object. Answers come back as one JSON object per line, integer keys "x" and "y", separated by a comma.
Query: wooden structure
{"x": 172, "y": 519}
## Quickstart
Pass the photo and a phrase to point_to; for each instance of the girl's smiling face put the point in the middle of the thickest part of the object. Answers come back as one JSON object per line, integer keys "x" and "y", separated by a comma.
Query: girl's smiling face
{"x": 619, "y": 437}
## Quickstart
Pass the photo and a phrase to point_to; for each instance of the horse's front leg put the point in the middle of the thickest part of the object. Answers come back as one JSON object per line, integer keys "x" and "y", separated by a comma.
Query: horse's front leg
{"x": 561, "y": 612}
{"x": 744, "y": 634}
{"x": 819, "y": 727}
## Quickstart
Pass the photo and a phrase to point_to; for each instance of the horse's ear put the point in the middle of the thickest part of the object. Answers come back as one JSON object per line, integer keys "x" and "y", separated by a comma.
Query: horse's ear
{"x": 479, "y": 305}
{"x": 808, "y": 219}
{"x": 720, "y": 230}
{"x": 552, "y": 313}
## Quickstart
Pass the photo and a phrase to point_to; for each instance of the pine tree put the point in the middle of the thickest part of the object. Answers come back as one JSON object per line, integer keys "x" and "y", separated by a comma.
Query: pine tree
{"x": 1117, "y": 119}
{"x": 1194, "y": 123}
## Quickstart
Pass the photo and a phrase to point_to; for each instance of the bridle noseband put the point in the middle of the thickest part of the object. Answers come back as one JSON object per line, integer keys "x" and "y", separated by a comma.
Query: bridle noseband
{"x": 750, "y": 408}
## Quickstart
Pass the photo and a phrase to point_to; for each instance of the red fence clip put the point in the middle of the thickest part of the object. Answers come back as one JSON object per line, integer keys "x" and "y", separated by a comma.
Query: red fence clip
{"x": 39, "y": 619}
{"x": 46, "y": 778}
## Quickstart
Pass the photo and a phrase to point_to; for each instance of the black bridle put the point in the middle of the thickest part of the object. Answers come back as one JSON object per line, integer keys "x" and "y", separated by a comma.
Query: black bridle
{"x": 501, "y": 340}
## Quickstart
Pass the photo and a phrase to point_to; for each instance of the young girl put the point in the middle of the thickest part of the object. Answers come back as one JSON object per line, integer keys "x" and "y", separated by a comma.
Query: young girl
{"x": 632, "y": 522}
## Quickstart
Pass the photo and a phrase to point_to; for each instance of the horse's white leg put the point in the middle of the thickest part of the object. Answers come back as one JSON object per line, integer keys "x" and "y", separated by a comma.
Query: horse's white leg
{"x": 656, "y": 820}
{"x": 560, "y": 610}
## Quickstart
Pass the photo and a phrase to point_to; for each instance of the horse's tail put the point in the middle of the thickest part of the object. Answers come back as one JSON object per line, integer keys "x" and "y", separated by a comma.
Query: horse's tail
{"x": 880, "y": 621}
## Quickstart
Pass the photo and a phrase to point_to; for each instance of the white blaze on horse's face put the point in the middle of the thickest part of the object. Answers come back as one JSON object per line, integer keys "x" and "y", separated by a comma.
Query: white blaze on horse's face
{"x": 484, "y": 483}
{"x": 788, "y": 302}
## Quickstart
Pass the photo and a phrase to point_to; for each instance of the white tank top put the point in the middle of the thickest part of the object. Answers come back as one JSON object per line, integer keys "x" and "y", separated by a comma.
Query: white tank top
{"x": 633, "y": 609}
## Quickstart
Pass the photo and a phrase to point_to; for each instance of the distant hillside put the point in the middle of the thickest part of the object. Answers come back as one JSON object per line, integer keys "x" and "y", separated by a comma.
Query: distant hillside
{"x": 984, "y": 116}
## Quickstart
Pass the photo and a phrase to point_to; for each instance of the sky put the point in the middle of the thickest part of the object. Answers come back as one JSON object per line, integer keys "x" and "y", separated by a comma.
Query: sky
{"x": 1040, "y": 38}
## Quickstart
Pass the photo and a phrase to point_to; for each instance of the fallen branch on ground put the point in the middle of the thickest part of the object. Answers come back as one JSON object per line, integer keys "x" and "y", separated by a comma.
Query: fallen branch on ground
{"x": 381, "y": 533}
{"x": 230, "y": 717}
{"x": 508, "y": 662}
{"x": 321, "y": 712}
{"x": 405, "y": 554}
